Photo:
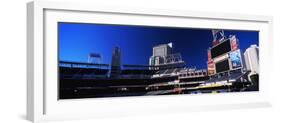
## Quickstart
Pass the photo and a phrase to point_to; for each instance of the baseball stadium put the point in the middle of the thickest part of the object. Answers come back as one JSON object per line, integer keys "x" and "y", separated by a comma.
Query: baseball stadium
{"x": 227, "y": 69}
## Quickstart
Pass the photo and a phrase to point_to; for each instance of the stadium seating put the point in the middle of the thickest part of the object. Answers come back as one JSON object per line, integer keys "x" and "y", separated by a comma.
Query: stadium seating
{"x": 67, "y": 72}
{"x": 137, "y": 72}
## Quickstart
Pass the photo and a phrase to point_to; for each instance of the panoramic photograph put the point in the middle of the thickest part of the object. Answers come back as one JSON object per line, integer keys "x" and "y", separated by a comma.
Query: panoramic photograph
{"x": 107, "y": 60}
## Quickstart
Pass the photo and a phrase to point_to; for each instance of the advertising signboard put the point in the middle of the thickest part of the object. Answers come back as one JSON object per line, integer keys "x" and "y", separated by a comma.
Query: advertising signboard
{"x": 235, "y": 59}
{"x": 211, "y": 65}
{"x": 234, "y": 43}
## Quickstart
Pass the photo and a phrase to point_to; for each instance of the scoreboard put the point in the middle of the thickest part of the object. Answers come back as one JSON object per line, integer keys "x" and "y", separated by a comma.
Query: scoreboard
{"x": 222, "y": 66}
{"x": 221, "y": 48}
{"x": 224, "y": 56}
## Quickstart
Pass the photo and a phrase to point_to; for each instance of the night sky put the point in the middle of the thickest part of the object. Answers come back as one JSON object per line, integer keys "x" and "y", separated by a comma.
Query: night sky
{"x": 77, "y": 40}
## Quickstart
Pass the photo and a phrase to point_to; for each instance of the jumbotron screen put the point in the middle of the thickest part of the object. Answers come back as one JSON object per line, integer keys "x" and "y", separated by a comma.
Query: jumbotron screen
{"x": 222, "y": 66}
{"x": 222, "y": 48}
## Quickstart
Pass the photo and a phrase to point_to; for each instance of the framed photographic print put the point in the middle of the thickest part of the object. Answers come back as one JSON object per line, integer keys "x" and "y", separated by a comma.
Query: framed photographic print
{"x": 97, "y": 61}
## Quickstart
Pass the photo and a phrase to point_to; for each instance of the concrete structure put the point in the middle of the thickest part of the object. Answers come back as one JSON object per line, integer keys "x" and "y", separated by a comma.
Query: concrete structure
{"x": 251, "y": 56}
{"x": 160, "y": 52}
{"x": 164, "y": 58}
{"x": 115, "y": 63}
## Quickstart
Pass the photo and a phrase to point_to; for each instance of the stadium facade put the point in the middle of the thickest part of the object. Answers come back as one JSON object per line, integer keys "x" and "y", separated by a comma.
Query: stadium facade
{"x": 251, "y": 56}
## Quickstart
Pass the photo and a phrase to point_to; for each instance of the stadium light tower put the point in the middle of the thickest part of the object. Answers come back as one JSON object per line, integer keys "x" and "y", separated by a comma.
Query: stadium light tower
{"x": 94, "y": 58}
{"x": 170, "y": 45}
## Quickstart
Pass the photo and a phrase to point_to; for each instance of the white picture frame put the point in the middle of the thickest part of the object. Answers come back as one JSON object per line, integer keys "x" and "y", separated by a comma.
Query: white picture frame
{"x": 42, "y": 103}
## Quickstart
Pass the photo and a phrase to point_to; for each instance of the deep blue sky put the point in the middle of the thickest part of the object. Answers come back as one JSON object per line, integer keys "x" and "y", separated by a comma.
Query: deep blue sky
{"x": 77, "y": 40}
